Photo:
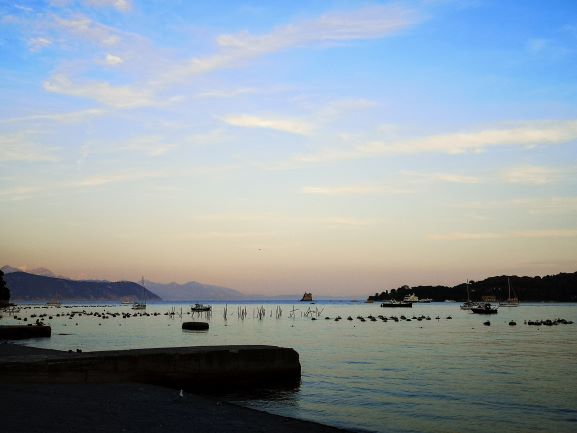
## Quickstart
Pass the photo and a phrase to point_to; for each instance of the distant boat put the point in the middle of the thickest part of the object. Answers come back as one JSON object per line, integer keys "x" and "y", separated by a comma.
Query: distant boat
{"x": 512, "y": 301}
{"x": 127, "y": 300}
{"x": 485, "y": 308}
{"x": 200, "y": 308}
{"x": 307, "y": 297}
{"x": 141, "y": 305}
{"x": 396, "y": 304}
{"x": 414, "y": 298}
{"x": 55, "y": 302}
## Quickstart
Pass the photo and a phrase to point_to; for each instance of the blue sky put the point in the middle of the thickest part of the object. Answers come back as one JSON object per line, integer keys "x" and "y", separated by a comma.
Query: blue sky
{"x": 342, "y": 147}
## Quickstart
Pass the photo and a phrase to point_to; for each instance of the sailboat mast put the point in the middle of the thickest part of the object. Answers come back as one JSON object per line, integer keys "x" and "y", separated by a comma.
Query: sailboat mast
{"x": 143, "y": 289}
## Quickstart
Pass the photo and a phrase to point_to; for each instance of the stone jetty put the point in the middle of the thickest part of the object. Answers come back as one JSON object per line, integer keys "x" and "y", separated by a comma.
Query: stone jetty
{"x": 202, "y": 368}
{"x": 19, "y": 332}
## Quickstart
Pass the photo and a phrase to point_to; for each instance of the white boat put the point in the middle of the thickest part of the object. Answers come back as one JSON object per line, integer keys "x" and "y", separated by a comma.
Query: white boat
{"x": 201, "y": 308}
{"x": 415, "y": 299}
{"x": 511, "y": 301}
{"x": 411, "y": 298}
{"x": 141, "y": 305}
{"x": 396, "y": 304}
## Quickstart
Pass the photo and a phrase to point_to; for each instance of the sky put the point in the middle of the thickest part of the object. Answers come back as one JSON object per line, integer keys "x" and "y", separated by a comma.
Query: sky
{"x": 339, "y": 147}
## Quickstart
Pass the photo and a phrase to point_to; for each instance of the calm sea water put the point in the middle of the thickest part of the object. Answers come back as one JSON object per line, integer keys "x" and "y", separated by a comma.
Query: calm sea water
{"x": 419, "y": 376}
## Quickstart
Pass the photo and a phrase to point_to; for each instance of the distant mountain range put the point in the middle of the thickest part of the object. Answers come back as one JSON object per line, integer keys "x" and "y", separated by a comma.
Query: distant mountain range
{"x": 194, "y": 291}
{"x": 29, "y": 287}
{"x": 43, "y": 284}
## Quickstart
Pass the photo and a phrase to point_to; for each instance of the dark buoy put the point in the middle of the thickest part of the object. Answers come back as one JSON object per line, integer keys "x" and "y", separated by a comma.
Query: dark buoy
{"x": 487, "y": 323}
{"x": 195, "y": 326}
{"x": 512, "y": 323}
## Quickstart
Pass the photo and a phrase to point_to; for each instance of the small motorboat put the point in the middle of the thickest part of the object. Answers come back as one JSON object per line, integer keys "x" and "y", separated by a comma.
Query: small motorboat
{"x": 199, "y": 308}
{"x": 484, "y": 309}
{"x": 396, "y": 304}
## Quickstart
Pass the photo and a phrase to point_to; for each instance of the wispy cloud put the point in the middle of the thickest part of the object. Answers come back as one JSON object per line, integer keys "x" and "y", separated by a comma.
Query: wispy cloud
{"x": 353, "y": 190}
{"x": 112, "y": 178}
{"x": 22, "y": 147}
{"x": 529, "y": 134}
{"x": 25, "y": 192}
{"x": 69, "y": 117}
{"x": 101, "y": 91}
{"x": 529, "y": 234}
{"x": 533, "y": 175}
{"x": 226, "y": 93}
{"x": 443, "y": 177}
{"x": 293, "y": 126}
{"x": 335, "y": 27}
{"x": 37, "y": 44}
{"x": 85, "y": 28}
{"x": 121, "y": 5}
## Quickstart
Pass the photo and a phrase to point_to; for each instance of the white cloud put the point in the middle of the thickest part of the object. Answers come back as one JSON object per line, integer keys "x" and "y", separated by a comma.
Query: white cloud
{"x": 532, "y": 175}
{"x": 103, "y": 92}
{"x": 226, "y": 93}
{"x": 352, "y": 190}
{"x": 37, "y": 44}
{"x": 529, "y": 134}
{"x": 89, "y": 30}
{"x": 443, "y": 177}
{"x": 293, "y": 126}
{"x": 113, "y": 60}
{"x": 545, "y": 206}
{"x": 70, "y": 117}
{"x": 20, "y": 147}
{"x": 121, "y": 5}
{"x": 366, "y": 23}
{"x": 529, "y": 234}
{"x": 112, "y": 178}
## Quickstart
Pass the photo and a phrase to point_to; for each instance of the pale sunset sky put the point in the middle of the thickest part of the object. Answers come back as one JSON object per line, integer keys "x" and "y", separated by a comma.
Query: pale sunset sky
{"x": 343, "y": 147}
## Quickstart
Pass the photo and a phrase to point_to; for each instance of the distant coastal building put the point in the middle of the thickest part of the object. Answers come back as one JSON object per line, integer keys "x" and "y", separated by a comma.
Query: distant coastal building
{"x": 307, "y": 297}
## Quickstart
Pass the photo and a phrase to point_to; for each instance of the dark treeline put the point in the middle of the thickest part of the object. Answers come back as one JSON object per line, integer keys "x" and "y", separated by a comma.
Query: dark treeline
{"x": 559, "y": 288}
{"x": 4, "y": 292}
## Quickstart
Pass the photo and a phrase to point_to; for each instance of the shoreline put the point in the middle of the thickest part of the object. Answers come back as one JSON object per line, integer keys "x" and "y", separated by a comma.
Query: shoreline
{"x": 128, "y": 407}
{"x": 133, "y": 408}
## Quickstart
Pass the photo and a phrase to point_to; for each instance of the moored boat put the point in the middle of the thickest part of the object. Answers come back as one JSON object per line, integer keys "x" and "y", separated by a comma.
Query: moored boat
{"x": 198, "y": 308}
{"x": 141, "y": 305}
{"x": 396, "y": 304}
{"x": 485, "y": 308}
{"x": 512, "y": 301}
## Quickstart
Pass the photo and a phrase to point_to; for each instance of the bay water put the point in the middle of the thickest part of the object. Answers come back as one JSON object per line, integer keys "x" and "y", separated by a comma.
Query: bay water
{"x": 450, "y": 374}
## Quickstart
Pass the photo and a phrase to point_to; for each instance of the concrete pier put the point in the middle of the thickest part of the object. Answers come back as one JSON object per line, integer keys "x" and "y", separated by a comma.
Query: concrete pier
{"x": 202, "y": 368}
{"x": 20, "y": 332}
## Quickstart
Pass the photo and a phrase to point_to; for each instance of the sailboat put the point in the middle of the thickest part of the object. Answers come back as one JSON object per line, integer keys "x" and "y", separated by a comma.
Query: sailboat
{"x": 511, "y": 301}
{"x": 141, "y": 305}
{"x": 468, "y": 305}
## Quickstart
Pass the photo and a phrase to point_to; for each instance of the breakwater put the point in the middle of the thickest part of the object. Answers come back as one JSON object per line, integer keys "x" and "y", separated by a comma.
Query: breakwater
{"x": 197, "y": 368}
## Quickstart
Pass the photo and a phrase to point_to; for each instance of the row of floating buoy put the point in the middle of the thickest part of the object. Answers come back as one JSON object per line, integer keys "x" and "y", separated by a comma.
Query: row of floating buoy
{"x": 385, "y": 319}
{"x": 549, "y": 322}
